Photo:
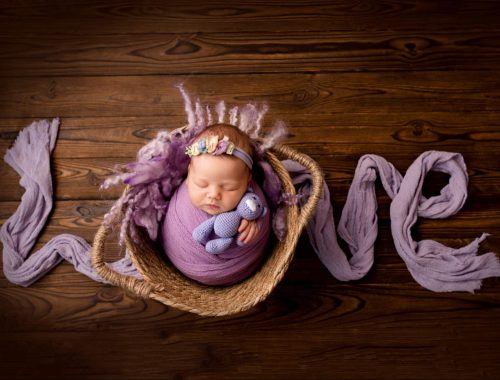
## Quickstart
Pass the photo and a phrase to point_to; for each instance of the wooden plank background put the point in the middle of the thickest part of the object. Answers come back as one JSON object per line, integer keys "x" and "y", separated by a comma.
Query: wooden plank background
{"x": 389, "y": 77}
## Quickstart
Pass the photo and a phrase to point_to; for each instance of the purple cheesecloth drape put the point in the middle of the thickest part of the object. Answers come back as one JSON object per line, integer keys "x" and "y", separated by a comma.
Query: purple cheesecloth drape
{"x": 30, "y": 158}
{"x": 433, "y": 265}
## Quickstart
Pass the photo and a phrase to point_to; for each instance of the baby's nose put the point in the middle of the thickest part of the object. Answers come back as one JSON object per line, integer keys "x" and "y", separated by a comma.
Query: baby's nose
{"x": 214, "y": 192}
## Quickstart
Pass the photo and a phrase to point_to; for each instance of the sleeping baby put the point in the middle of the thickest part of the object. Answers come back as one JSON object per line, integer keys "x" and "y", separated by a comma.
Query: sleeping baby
{"x": 217, "y": 200}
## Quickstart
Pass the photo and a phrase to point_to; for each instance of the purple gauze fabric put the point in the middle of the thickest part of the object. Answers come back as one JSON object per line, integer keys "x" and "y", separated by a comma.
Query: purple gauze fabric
{"x": 434, "y": 266}
{"x": 30, "y": 157}
{"x": 191, "y": 258}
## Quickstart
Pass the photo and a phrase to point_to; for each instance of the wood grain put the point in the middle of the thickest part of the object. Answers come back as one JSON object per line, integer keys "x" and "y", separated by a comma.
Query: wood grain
{"x": 248, "y": 52}
{"x": 425, "y": 92}
{"x": 391, "y": 77}
{"x": 308, "y": 344}
{"x": 176, "y": 16}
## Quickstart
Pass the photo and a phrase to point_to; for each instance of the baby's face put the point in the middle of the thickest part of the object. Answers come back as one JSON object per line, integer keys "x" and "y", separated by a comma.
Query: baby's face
{"x": 217, "y": 183}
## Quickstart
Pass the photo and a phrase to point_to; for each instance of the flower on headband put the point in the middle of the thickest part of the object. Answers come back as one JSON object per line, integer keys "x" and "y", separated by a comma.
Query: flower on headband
{"x": 221, "y": 146}
{"x": 212, "y": 142}
{"x": 211, "y": 145}
{"x": 202, "y": 146}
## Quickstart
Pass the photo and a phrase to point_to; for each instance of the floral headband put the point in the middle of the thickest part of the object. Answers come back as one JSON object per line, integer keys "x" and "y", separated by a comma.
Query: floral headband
{"x": 212, "y": 145}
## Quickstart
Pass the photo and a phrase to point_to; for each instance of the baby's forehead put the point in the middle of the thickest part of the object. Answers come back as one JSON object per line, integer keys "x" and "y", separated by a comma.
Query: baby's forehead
{"x": 208, "y": 161}
{"x": 206, "y": 166}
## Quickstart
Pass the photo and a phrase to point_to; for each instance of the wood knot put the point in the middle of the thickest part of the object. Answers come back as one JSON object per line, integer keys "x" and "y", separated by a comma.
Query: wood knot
{"x": 226, "y": 12}
{"x": 183, "y": 47}
{"x": 52, "y": 90}
{"x": 304, "y": 96}
{"x": 420, "y": 131}
{"x": 417, "y": 127}
{"x": 412, "y": 47}
{"x": 84, "y": 212}
{"x": 145, "y": 133}
{"x": 111, "y": 294}
{"x": 93, "y": 179}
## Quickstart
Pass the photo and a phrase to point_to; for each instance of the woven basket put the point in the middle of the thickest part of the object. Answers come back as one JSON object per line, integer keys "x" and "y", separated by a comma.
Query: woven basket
{"x": 164, "y": 283}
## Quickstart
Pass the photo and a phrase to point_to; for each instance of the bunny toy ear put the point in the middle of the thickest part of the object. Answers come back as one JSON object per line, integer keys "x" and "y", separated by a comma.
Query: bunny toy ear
{"x": 251, "y": 204}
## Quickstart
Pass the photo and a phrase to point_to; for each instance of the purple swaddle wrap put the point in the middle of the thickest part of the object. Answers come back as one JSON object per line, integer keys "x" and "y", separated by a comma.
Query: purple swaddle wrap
{"x": 191, "y": 258}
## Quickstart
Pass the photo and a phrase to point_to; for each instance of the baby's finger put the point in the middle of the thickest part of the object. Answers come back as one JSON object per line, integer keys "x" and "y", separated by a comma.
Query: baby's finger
{"x": 243, "y": 225}
{"x": 255, "y": 233}
{"x": 243, "y": 237}
{"x": 244, "y": 234}
{"x": 252, "y": 233}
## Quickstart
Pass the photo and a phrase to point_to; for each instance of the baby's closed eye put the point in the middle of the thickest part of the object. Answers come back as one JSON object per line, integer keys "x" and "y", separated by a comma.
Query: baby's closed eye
{"x": 200, "y": 183}
{"x": 231, "y": 187}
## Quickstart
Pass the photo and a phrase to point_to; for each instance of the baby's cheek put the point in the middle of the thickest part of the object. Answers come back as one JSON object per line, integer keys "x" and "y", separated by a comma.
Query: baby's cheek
{"x": 194, "y": 194}
{"x": 233, "y": 201}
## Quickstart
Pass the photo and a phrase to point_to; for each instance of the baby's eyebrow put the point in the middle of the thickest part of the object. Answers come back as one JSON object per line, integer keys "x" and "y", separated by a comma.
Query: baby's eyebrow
{"x": 232, "y": 182}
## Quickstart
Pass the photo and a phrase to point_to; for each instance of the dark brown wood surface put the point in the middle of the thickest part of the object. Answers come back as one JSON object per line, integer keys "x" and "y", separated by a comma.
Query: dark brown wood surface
{"x": 392, "y": 77}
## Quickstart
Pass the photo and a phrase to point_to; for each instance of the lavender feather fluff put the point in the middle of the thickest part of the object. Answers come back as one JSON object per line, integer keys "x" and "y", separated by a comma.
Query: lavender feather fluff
{"x": 162, "y": 165}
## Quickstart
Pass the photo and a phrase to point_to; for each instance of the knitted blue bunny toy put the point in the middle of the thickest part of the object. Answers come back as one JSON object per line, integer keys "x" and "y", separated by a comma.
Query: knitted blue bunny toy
{"x": 225, "y": 225}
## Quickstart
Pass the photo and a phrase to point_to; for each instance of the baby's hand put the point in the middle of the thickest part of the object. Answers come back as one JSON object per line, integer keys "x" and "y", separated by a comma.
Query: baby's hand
{"x": 248, "y": 230}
